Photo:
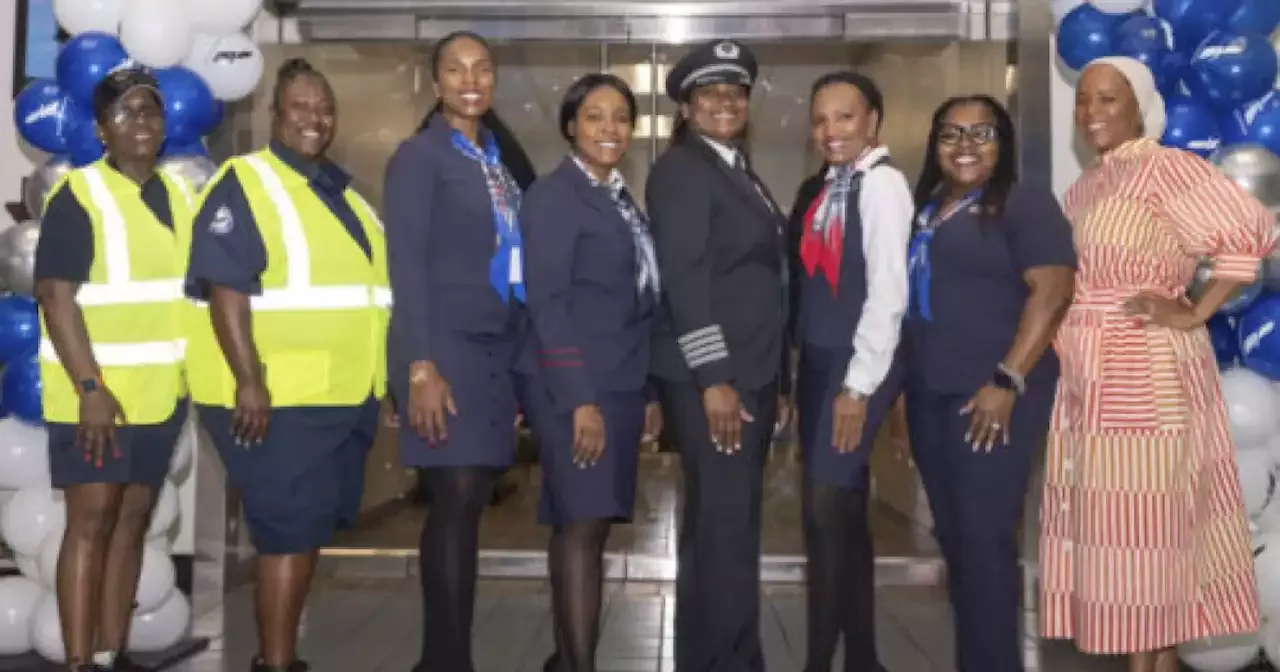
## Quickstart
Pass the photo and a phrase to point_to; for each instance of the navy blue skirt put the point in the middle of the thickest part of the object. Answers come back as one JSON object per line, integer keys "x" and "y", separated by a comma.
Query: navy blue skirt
{"x": 604, "y": 491}
{"x": 820, "y": 378}
{"x": 306, "y": 480}
{"x": 480, "y": 371}
{"x": 145, "y": 454}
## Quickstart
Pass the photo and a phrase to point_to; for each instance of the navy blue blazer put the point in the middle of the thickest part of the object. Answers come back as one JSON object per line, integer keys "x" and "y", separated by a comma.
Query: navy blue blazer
{"x": 440, "y": 240}
{"x": 591, "y": 324}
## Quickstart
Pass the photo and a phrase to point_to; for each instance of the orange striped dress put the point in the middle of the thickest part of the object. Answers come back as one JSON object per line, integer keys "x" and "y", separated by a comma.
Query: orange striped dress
{"x": 1144, "y": 539}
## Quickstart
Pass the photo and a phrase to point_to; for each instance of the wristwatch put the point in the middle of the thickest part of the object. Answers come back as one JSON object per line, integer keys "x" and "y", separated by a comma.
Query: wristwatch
{"x": 1006, "y": 379}
{"x": 88, "y": 385}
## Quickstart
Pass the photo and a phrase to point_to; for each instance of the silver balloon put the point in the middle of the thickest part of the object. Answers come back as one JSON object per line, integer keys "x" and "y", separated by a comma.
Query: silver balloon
{"x": 1257, "y": 171}
{"x": 18, "y": 256}
{"x": 37, "y": 187}
{"x": 195, "y": 169}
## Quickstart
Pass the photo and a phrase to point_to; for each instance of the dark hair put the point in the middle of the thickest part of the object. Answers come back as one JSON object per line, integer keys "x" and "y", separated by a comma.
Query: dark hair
{"x": 579, "y": 90}
{"x": 513, "y": 155}
{"x": 1003, "y": 176}
{"x": 109, "y": 91}
{"x": 864, "y": 84}
{"x": 291, "y": 70}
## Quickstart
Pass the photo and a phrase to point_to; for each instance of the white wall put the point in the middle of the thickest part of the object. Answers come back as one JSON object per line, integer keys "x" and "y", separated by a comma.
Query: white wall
{"x": 14, "y": 161}
{"x": 1068, "y": 157}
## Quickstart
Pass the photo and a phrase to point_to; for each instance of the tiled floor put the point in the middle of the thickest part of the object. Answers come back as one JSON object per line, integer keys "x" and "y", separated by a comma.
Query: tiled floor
{"x": 372, "y": 625}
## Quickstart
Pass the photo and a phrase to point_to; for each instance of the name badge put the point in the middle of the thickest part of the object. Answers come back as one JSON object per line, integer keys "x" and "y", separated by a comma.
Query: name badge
{"x": 517, "y": 268}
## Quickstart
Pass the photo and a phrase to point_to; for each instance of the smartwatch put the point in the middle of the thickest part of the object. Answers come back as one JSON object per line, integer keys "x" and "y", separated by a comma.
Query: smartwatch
{"x": 88, "y": 385}
{"x": 1008, "y": 380}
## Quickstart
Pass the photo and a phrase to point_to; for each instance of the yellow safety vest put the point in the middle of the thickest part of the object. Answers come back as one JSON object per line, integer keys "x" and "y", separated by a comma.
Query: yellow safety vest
{"x": 132, "y": 303}
{"x": 320, "y": 323}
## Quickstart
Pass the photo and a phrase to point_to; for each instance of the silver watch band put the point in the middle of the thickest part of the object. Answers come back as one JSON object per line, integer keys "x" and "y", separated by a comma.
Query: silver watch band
{"x": 1019, "y": 381}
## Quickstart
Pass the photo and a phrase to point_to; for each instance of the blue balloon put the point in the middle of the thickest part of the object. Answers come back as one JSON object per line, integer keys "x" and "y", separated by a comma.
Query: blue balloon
{"x": 214, "y": 119}
{"x": 188, "y": 104}
{"x": 85, "y": 60}
{"x": 1148, "y": 40}
{"x": 1190, "y": 126}
{"x": 1243, "y": 300}
{"x": 1256, "y": 17}
{"x": 1225, "y": 340}
{"x": 1259, "y": 334}
{"x": 1265, "y": 129}
{"x": 195, "y": 148}
{"x": 21, "y": 387}
{"x": 1194, "y": 20}
{"x": 1230, "y": 69}
{"x": 1085, "y": 34}
{"x": 40, "y": 114}
{"x": 83, "y": 143}
{"x": 19, "y": 326}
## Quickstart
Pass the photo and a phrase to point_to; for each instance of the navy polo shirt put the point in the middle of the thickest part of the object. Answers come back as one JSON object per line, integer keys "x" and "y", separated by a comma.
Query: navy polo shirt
{"x": 227, "y": 249}
{"x": 977, "y": 291}
{"x": 65, "y": 248}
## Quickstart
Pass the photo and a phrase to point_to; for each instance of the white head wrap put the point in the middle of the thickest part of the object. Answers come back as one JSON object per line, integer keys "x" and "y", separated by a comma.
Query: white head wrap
{"x": 1150, "y": 102}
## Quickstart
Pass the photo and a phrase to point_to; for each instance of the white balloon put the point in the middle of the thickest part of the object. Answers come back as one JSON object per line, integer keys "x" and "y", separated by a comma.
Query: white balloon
{"x": 157, "y": 581}
{"x": 1266, "y": 570}
{"x": 184, "y": 452}
{"x": 32, "y": 515}
{"x": 18, "y": 599}
{"x": 29, "y": 565}
{"x": 160, "y": 629}
{"x": 1250, "y": 408}
{"x": 1119, "y": 6}
{"x": 222, "y": 16}
{"x": 166, "y": 512}
{"x": 156, "y": 33}
{"x": 231, "y": 64}
{"x": 1221, "y": 654}
{"x": 1257, "y": 479}
{"x": 47, "y": 561}
{"x": 1061, "y": 8}
{"x": 46, "y": 630}
{"x": 88, "y": 16}
{"x": 24, "y": 455}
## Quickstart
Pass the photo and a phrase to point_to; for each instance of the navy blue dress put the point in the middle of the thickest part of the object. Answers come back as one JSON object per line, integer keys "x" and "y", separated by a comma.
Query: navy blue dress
{"x": 440, "y": 240}
{"x": 65, "y": 252}
{"x": 590, "y": 343}
{"x": 975, "y": 295}
{"x": 306, "y": 479}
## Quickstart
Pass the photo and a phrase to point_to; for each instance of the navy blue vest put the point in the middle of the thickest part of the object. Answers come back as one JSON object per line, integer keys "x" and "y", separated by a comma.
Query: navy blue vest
{"x": 827, "y": 320}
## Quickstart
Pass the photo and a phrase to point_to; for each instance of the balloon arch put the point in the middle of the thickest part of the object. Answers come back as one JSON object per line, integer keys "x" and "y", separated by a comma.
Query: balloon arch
{"x": 202, "y": 59}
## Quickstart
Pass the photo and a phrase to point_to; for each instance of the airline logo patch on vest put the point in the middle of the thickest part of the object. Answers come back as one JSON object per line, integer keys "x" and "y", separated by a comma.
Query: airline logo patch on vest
{"x": 222, "y": 222}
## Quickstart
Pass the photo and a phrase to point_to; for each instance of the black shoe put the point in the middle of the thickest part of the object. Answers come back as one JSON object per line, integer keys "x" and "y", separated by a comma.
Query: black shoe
{"x": 296, "y": 666}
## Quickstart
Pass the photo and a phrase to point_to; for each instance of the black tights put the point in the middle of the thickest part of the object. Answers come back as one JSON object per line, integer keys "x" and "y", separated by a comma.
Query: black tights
{"x": 448, "y": 555}
{"x": 841, "y": 578}
{"x": 576, "y": 560}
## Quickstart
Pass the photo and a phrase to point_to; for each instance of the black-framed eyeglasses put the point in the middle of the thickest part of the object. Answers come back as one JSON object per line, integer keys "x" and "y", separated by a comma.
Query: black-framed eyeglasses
{"x": 978, "y": 134}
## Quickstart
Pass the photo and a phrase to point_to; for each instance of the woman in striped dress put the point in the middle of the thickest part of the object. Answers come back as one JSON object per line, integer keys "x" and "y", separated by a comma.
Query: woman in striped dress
{"x": 1144, "y": 541}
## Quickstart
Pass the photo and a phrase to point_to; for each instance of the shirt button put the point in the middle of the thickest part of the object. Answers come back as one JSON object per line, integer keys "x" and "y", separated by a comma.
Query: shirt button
{"x": 1068, "y": 465}
{"x": 1066, "y": 546}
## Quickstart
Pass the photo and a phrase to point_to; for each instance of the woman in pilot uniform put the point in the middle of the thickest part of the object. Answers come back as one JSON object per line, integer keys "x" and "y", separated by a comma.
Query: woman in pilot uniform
{"x": 719, "y": 356}
{"x": 593, "y": 285}
{"x": 287, "y": 365}
{"x": 456, "y": 262}
{"x": 849, "y": 271}
{"x": 113, "y": 419}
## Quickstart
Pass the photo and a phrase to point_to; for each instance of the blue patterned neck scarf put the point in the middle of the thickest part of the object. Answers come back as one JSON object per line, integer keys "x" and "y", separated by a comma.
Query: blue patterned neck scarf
{"x": 919, "y": 264}
{"x": 506, "y": 269}
{"x": 646, "y": 258}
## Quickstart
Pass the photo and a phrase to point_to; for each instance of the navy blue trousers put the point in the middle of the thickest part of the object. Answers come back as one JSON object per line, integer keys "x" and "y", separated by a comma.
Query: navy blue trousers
{"x": 977, "y": 502}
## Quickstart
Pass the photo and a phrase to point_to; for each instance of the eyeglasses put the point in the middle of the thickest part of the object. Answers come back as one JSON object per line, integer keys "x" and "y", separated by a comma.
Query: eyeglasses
{"x": 978, "y": 134}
